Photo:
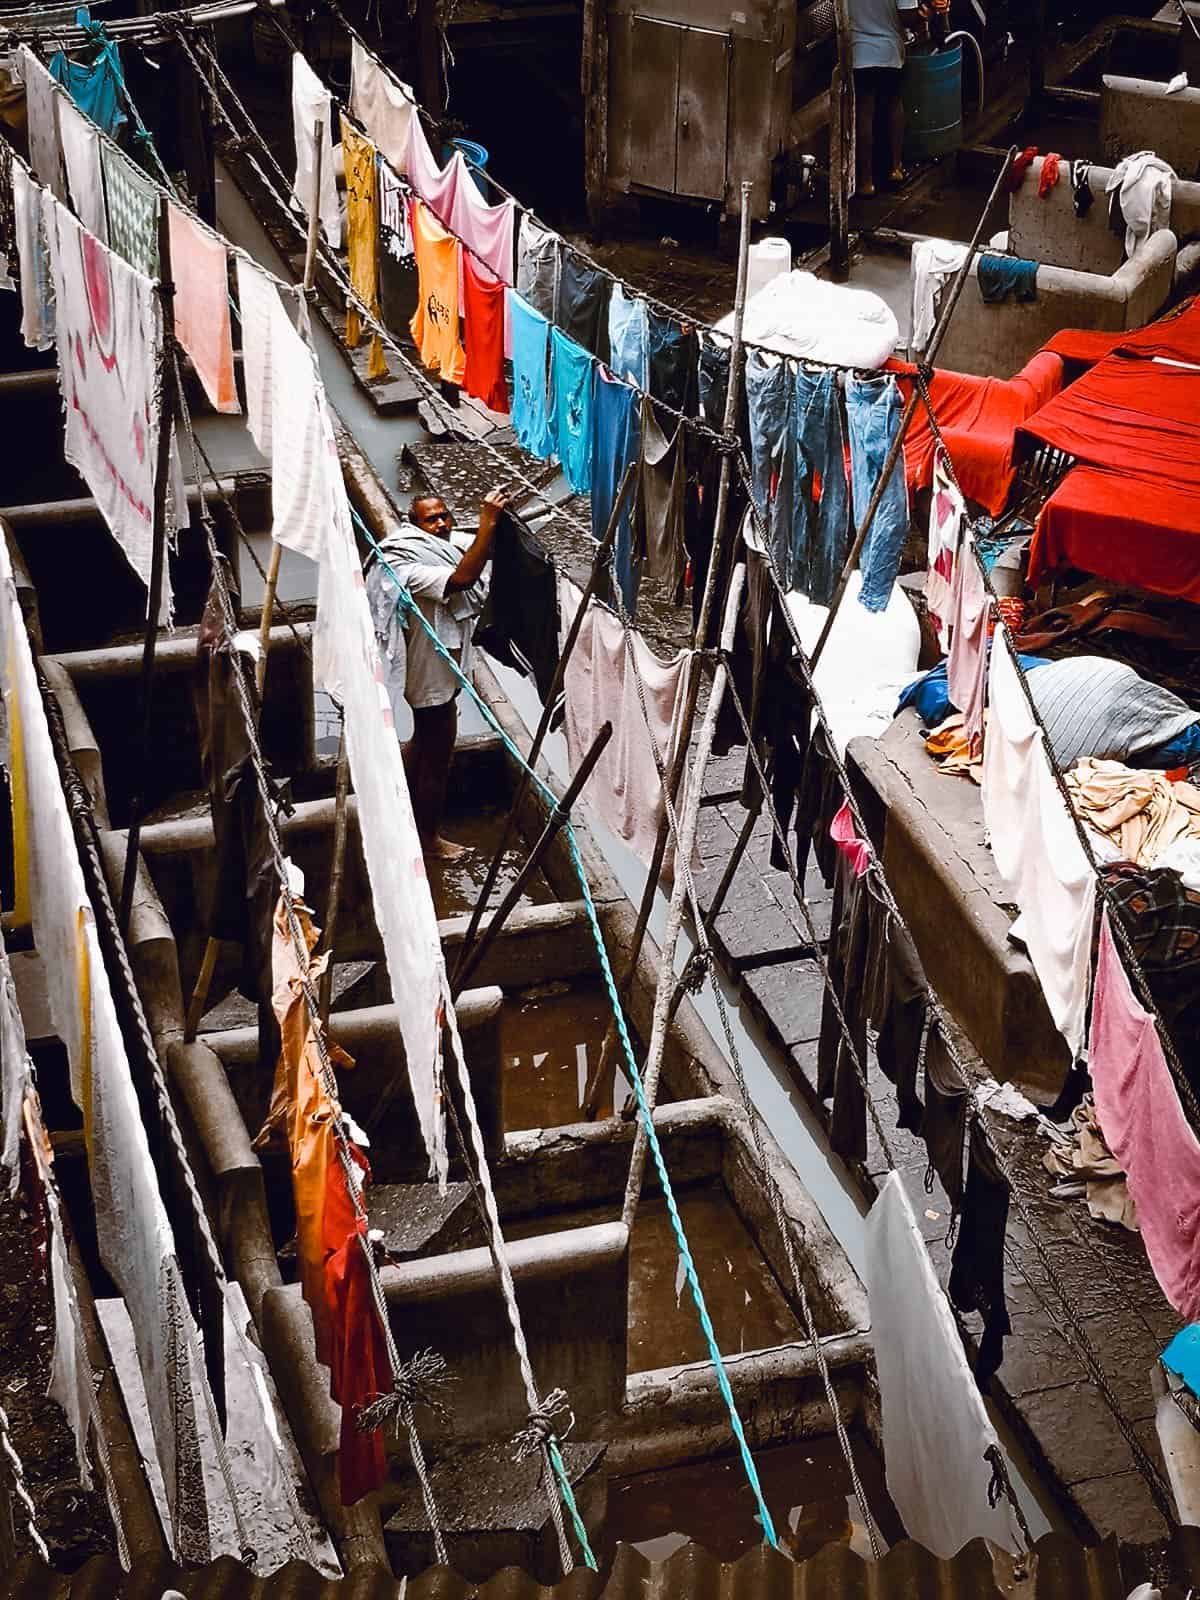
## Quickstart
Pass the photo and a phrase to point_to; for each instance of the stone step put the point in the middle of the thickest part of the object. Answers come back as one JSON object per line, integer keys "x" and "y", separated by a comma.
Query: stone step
{"x": 418, "y": 1221}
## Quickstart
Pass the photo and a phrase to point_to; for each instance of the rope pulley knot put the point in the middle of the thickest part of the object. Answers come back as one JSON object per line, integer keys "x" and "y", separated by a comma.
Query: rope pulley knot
{"x": 552, "y": 1419}
{"x": 418, "y": 1382}
{"x": 559, "y": 816}
{"x": 924, "y": 373}
{"x": 694, "y": 974}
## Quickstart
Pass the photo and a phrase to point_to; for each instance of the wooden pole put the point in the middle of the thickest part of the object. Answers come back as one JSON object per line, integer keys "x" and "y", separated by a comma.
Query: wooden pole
{"x": 842, "y": 114}
{"x": 310, "y": 273}
{"x": 335, "y": 875}
{"x": 594, "y": 75}
{"x": 679, "y": 765}
{"x": 162, "y": 476}
{"x": 510, "y": 822}
{"x": 897, "y": 444}
{"x": 683, "y": 854}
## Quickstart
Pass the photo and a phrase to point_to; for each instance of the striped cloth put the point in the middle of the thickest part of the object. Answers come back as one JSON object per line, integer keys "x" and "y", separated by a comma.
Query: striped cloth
{"x": 1095, "y": 707}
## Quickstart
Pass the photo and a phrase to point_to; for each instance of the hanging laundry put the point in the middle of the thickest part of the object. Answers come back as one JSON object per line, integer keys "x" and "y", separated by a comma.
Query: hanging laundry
{"x": 97, "y": 87}
{"x": 770, "y": 393}
{"x": 383, "y": 105}
{"x": 1051, "y": 162}
{"x": 243, "y": 877}
{"x": 1037, "y": 850}
{"x": 816, "y": 489}
{"x": 530, "y": 360}
{"x": 1082, "y": 197}
{"x": 487, "y": 231}
{"x": 1161, "y": 915}
{"x": 873, "y": 409}
{"x": 901, "y": 1014}
{"x": 110, "y": 333}
{"x": 841, "y": 1061}
{"x": 284, "y": 399}
{"x": 359, "y": 1370}
{"x": 1001, "y": 276}
{"x": 845, "y": 835}
{"x": 661, "y": 511}
{"x": 199, "y": 268}
{"x": 944, "y": 1125}
{"x": 16, "y": 1075}
{"x": 435, "y": 325}
{"x": 1140, "y": 187}
{"x": 572, "y": 380}
{"x": 601, "y": 685}
{"x": 946, "y": 508}
{"x": 817, "y": 798}
{"x": 346, "y": 659}
{"x": 8, "y": 218}
{"x": 539, "y": 263}
{"x": 936, "y": 1433}
{"x": 628, "y": 337}
{"x": 1021, "y": 165}
{"x": 312, "y": 103}
{"x": 966, "y": 669}
{"x": 616, "y": 442}
{"x": 397, "y": 262}
{"x": 435, "y": 184}
{"x": 977, "y": 1267}
{"x": 30, "y": 215}
{"x": 934, "y": 263}
{"x": 483, "y": 336}
{"x": 583, "y": 296}
{"x": 42, "y": 96}
{"x": 362, "y": 238}
{"x": 133, "y": 1233}
{"x": 674, "y": 363}
{"x": 133, "y": 204}
{"x": 85, "y": 179}
{"x": 519, "y": 625}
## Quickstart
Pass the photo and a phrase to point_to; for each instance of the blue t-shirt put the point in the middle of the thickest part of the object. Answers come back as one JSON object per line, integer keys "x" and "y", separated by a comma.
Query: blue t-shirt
{"x": 571, "y": 377}
{"x": 530, "y": 350}
{"x": 876, "y": 32}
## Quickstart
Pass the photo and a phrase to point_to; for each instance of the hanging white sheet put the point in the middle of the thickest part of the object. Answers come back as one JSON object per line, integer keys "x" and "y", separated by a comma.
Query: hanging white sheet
{"x": 383, "y": 105}
{"x": 312, "y": 103}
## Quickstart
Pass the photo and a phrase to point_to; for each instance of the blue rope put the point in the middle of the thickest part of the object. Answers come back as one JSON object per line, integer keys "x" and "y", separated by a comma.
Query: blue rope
{"x": 405, "y": 600}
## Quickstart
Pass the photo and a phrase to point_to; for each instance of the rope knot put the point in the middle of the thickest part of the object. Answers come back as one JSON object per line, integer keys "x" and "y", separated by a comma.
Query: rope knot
{"x": 699, "y": 965}
{"x": 418, "y": 1382}
{"x": 559, "y": 816}
{"x": 552, "y": 1419}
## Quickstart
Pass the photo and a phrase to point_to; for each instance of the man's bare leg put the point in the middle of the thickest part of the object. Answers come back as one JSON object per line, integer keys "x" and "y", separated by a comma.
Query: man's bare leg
{"x": 428, "y": 758}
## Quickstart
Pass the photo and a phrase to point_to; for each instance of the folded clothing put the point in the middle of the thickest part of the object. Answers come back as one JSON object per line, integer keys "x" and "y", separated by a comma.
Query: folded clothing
{"x": 1000, "y": 276}
{"x": 1092, "y": 706}
{"x": 1140, "y": 813}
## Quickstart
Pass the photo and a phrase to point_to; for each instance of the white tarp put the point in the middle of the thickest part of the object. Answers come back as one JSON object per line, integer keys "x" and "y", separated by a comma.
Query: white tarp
{"x": 798, "y": 314}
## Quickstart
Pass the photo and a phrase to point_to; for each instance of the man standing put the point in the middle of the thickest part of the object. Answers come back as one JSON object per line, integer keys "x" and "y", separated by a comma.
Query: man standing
{"x": 877, "y": 46}
{"x": 443, "y": 572}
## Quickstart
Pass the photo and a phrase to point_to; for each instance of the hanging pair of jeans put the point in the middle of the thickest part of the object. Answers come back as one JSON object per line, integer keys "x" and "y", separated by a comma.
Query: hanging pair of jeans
{"x": 873, "y": 411}
{"x": 798, "y": 472}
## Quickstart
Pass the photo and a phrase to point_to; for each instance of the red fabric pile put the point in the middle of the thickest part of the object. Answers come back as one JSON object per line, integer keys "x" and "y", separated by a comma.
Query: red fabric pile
{"x": 979, "y": 418}
{"x": 1130, "y": 511}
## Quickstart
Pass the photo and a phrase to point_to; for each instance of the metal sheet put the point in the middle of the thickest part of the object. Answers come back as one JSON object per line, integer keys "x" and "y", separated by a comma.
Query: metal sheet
{"x": 703, "y": 114}
{"x": 653, "y": 100}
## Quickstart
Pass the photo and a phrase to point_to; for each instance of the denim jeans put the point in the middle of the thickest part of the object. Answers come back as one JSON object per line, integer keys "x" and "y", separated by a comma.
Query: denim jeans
{"x": 820, "y": 531}
{"x": 796, "y": 447}
{"x": 628, "y": 338}
{"x": 873, "y": 411}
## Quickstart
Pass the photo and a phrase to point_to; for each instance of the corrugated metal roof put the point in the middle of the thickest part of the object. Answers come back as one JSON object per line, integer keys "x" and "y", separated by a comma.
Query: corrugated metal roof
{"x": 1065, "y": 1570}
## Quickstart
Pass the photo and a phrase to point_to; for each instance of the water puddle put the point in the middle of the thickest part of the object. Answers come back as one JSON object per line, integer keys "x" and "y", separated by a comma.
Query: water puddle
{"x": 805, "y": 1486}
{"x": 551, "y": 1037}
{"x": 456, "y": 885}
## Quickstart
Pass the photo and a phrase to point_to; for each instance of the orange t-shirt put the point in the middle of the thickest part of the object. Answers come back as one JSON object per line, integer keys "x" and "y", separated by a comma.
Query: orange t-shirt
{"x": 435, "y": 325}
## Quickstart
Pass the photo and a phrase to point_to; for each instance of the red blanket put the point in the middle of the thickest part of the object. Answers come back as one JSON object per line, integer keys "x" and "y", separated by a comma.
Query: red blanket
{"x": 1135, "y": 531}
{"x": 979, "y": 418}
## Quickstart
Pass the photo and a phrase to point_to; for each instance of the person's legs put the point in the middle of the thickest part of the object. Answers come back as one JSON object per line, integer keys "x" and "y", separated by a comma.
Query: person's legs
{"x": 427, "y": 761}
{"x": 892, "y": 107}
{"x": 864, "y": 131}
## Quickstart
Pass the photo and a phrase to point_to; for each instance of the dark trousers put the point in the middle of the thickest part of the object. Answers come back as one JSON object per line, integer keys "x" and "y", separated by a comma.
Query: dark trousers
{"x": 427, "y": 762}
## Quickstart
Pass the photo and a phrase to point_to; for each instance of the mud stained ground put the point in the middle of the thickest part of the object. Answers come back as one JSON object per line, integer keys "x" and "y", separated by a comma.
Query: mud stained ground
{"x": 73, "y": 1521}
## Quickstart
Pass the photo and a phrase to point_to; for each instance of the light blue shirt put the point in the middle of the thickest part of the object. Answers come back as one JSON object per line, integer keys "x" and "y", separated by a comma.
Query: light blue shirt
{"x": 876, "y": 33}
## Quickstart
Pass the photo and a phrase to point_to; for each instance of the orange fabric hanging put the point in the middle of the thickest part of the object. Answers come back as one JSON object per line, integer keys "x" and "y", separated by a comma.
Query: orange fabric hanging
{"x": 300, "y": 1115}
{"x": 435, "y": 324}
{"x": 362, "y": 238}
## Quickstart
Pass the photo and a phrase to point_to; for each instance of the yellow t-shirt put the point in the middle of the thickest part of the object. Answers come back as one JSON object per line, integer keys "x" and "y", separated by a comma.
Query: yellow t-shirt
{"x": 435, "y": 325}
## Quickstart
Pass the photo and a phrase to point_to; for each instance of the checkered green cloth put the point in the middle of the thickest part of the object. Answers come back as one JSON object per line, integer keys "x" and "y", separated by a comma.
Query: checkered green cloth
{"x": 132, "y": 210}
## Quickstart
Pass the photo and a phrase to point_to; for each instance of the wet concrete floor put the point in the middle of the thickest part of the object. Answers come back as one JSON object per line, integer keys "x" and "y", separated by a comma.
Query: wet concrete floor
{"x": 456, "y": 885}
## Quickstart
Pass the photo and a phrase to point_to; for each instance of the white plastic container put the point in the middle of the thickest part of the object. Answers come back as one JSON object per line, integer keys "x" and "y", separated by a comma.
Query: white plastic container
{"x": 768, "y": 258}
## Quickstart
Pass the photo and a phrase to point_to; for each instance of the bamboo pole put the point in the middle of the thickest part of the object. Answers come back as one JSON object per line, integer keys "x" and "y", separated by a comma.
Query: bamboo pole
{"x": 897, "y": 444}
{"x": 158, "y": 559}
{"x": 310, "y": 272}
{"x": 842, "y": 112}
{"x": 678, "y": 766}
{"x": 336, "y": 872}
{"x": 683, "y": 853}
{"x": 603, "y": 550}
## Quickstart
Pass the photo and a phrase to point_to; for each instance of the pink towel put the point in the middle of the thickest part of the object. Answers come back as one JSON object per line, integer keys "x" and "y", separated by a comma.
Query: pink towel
{"x": 966, "y": 669}
{"x": 201, "y": 274}
{"x": 1146, "y": 1129}
{"x": 845, "y": 835}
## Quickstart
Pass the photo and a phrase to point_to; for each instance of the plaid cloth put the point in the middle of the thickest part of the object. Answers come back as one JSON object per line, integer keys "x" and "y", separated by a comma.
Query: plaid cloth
{"x": 132, "y": 210}
{"x": 1162, "y": 918}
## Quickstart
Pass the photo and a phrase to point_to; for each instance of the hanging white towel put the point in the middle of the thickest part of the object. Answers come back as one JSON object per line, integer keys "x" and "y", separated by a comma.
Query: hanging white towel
{"x": 42, "y": 96}
{"x": 312, "y": 103}
{"x": 383, "y": 105}
{"x": 33, "y": 257}
{"x": 109, "y": 332}
{"x": 85, "y": 179}
{"x": 1037, "y": 849}
{"x": 935, "y": 1430}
